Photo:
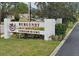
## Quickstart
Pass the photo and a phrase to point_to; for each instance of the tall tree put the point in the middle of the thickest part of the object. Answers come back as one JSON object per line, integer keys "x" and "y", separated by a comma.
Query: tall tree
{"x": 56, "y": 9}
{"x": 18, "y": 8}
{"x": 42, "y": 9}
{"x": 4, "y": 10}
{"x": 14, "y": 8}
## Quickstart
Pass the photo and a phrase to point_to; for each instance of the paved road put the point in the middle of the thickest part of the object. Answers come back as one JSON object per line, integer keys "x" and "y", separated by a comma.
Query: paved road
{"x": 71, "y": 46}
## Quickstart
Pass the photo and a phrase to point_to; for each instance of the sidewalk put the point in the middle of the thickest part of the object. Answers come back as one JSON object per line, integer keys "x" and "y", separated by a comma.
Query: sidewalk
{"x": 71, "y": 46}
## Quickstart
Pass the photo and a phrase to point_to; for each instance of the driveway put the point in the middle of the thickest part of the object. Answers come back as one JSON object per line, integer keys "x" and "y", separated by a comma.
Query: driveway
{"x": 71, "y": 46}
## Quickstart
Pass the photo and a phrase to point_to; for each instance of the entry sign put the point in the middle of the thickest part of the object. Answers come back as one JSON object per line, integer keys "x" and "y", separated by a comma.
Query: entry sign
{"x": 20, "y": 27}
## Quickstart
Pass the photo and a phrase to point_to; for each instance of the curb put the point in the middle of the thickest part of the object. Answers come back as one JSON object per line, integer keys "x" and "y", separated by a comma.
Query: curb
{"x": 62, "y": 42}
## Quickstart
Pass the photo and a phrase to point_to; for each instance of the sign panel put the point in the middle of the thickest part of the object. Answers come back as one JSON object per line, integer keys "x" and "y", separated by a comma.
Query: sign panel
{"x": 47, "y": 28}
{"x": 30, "y": 31}
{"x": 26, "y": 27}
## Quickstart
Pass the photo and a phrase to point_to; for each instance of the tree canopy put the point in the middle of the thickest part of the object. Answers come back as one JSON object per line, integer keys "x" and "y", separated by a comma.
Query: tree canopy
{"x": 12, "y": 8}
{"x": 57, "y": 9}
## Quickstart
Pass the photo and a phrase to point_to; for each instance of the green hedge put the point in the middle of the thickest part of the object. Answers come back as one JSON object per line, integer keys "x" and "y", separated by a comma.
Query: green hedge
{"x": 69, "y": 19}
{"x": 17, "y": 17}
{"x": 60, "y": 29}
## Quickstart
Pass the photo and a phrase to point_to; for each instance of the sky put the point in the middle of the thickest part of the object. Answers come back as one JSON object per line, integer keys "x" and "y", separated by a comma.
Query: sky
{"x": 32, "y": 4}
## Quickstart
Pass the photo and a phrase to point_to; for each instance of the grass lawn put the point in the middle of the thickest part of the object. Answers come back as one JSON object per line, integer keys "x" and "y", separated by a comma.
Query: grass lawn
{"x": 24, "y": 47}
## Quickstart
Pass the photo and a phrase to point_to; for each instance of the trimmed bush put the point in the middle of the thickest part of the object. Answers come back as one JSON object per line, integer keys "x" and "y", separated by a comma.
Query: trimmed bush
{"x": 69, "y": 19}
{"x": 56, "y": 37}
{"x": 73, "y": 19}
{"x": 60, "y": 29}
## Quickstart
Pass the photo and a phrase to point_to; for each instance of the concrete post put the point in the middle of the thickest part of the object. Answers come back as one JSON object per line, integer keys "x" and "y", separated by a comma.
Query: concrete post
{"x": 59, "y": 21}
{"x": 49, "y": 28}
{"x": 6, "y": 31}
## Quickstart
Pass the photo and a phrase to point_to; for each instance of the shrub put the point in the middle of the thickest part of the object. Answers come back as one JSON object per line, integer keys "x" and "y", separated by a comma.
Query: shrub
{"x": 69, "y": 19}
{"x": 73, "y": 19}
{"x": 17, "y": 17}
{"x": 56, "y": 37}
{"x": 60, "y": 29}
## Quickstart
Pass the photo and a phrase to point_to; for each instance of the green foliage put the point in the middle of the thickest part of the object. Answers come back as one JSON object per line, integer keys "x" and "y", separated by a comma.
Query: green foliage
{"x": 72, "y": 19}
{"x": 20, "y": 8}
{"x": 42, "y": 9}
{"x": 12, "y": 8}
{"x": 69, "y": 19}
{"x": 17, "y": 17}
{"x": 5, "y": 8}
{"x": 57, "y": 37}
{"x": 34, "y": 36}
{"x": 60, "y": 29}
{"x": 26, "y": 47}
{"x": 57, "y": 9}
